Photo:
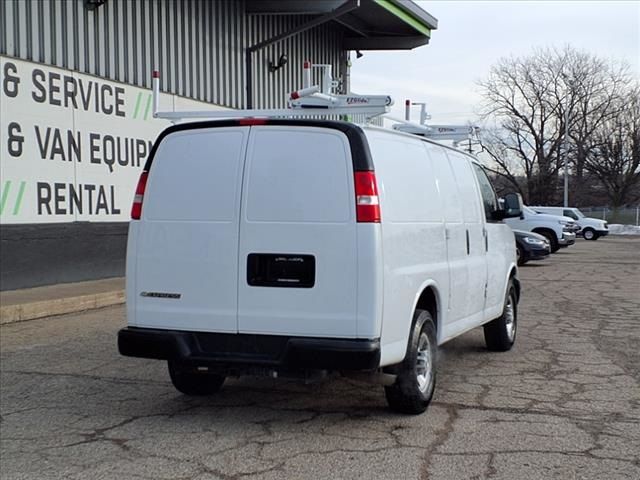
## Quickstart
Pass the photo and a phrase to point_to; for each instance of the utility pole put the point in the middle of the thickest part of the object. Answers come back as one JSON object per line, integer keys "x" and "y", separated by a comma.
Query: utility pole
{"x": 566, "y": 154}
{"x": 566, "y": 148}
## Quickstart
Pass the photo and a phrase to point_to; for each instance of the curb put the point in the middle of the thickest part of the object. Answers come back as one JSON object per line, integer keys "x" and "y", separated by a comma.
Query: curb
{"x": 33, "y": 310}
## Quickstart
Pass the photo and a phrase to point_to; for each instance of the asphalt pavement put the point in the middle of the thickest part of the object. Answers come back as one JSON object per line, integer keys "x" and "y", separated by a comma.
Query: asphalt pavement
{"x": 563, "y": 404}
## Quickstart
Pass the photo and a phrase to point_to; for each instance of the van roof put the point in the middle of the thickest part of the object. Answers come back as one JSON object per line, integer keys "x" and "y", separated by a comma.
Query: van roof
{"x": 424, "y": 139}
{"x": 360, "y": 153}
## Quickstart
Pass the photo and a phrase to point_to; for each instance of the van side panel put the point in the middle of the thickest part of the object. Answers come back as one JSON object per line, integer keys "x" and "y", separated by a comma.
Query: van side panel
{"x": 455, "y": 240}
{"x": 501, "y": 258}
{"x": 413, "y": 236}
{"x": 475, "y": 248}
{"x": 370, "y": 280}
{"x": 298, "y": 204}
{"x": 501, "y": 253}
{"x": 187, "y": 239}
{"x": 131, "y": 273}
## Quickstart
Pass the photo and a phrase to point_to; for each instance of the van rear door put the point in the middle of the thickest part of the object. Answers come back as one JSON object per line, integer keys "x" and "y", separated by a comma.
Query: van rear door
{"x": 298, "y": 257}
{"x": 186, "y": 242}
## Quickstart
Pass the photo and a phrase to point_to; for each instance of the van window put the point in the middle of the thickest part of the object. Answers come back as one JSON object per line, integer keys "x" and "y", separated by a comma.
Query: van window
{"x": 299, "y": 174}
{"x": 570, "y": 214}
{"x": 195, "y": 176}
{"x": 489, "y": 198}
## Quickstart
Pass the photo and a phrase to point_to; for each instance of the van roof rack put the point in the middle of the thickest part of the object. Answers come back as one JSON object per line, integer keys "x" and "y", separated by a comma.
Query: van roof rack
{"x": 309, "y": 101}
{"x": 455, "y": 133}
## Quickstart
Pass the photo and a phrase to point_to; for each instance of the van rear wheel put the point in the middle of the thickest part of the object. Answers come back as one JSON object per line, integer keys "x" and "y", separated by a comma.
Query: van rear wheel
{"x": 416, "y": 375}
{"x": 500, "y": 334}
{"x": 188, "y": 379}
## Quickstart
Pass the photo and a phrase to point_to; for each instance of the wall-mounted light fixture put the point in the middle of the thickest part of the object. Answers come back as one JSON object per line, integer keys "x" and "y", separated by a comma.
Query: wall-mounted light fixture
{"x": 93, "y": 4}
{"x": 282, "y": 61}
{"x": 359, "y": 54}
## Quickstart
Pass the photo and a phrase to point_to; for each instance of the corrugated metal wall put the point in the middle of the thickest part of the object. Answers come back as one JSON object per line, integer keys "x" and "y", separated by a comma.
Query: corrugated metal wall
{"x": 321, "y": 45}
{"x": 198, "y": 45}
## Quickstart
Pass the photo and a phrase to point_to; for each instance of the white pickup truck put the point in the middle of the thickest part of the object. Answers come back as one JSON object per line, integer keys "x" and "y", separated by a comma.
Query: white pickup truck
{"x": 559, "y": 230}
{"x": 590, "y": 228}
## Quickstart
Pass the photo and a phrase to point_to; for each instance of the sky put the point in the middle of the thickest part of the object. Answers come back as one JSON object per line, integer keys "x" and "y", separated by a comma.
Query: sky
{"x": 473, "y": 35}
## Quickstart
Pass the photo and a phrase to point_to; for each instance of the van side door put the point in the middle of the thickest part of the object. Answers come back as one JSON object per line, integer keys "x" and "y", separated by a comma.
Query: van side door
{"x": 474, "y": 237}
{"x": 454, "y": 237}
{"x": 500, "y": 245}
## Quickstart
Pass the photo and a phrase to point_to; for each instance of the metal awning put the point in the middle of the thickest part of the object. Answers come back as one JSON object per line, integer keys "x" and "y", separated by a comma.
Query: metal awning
{"x": 368, "y": 24}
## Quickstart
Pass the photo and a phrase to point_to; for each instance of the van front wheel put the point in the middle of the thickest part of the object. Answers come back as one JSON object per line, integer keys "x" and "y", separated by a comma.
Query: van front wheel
{"x": 416, "y": 375}
{"x": 500, "y": 334}
{"x": 188, "y": 379}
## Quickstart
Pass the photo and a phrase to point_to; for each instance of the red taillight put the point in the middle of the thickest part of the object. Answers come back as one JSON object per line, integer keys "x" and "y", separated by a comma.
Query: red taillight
{"x": 243, "y": 122}
{"x": 136, "y": 208}
{"x": 367, "y": 204}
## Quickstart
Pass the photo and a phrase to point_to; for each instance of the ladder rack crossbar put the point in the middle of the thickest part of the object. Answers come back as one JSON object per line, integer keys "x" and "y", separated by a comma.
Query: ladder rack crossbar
{"x": 372, "y": 111}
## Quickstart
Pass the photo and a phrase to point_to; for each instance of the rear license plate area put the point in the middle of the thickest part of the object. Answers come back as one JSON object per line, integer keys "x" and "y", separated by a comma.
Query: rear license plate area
{"x": 281, "y": 270}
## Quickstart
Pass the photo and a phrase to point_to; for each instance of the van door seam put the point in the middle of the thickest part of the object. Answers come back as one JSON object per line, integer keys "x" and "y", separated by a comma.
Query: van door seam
{"x": 240, "y": 212}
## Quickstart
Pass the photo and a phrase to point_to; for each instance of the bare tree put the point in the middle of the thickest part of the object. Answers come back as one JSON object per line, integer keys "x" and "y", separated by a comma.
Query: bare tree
{"x": 521, "y": 97}
{"x": 595, "y": 88}
{"x": 532, "y": 100}
{"x": 501, "y": 161}
{"x": 613, "y": 150}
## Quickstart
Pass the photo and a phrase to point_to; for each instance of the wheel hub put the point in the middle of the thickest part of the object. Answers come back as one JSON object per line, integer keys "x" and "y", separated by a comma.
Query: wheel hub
{"x": 424, "y": 364}
{"x": 510, "y": 319}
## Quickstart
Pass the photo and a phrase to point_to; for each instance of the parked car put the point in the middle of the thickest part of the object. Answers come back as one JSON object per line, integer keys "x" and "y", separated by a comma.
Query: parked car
{"x": 296, "y": 247}
{"x": 559, "y": 230}
{"x": 590, "y": 228}
{"x": 531, "y": 246}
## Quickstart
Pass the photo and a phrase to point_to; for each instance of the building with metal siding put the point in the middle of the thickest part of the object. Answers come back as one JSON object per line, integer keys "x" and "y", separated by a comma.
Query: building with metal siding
{"x": 219, "y": 52}
{"x": 199, "y": 46}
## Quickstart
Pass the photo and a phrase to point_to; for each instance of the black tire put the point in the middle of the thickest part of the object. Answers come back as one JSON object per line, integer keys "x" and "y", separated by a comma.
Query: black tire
{"x": 189, "y": 380}
{"x": 520, "y": 255}
{"x": 416, "y": 375}
{"x": 589, "y": 234}
{"x": 500, "y": 334}
{"x": 553, "y": 240}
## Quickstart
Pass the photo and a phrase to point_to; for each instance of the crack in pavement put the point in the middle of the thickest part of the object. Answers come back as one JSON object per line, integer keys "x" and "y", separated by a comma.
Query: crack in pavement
{"x": 563, "y": 402}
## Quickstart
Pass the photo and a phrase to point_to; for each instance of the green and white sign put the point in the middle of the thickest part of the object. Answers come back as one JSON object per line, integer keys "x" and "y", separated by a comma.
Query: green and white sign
{"x": 72, "y": 145}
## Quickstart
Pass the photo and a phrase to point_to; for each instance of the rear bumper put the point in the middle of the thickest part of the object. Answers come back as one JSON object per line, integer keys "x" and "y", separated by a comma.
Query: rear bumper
{"x": 226, "y": 350}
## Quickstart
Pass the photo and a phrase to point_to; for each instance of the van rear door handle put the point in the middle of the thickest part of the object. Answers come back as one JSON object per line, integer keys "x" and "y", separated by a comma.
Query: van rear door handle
{"x": 468, "y": 251}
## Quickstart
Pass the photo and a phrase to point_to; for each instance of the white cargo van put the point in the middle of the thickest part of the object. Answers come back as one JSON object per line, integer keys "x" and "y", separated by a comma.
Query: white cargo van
{"x": 292, "y": 247}
{"x": 590, "y": 228}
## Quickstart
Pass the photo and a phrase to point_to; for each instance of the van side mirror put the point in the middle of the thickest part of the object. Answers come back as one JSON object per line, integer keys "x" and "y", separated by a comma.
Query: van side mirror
{"x": 510, "y": 206}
